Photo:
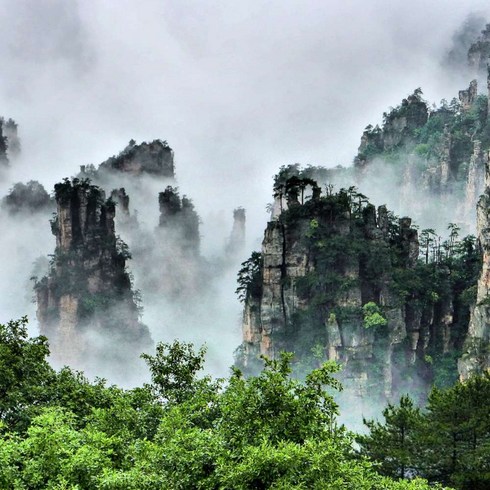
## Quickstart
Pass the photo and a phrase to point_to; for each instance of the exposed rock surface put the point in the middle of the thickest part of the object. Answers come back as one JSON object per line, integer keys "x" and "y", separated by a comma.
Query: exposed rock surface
{"x": 125, "y": 221}
{"x": 338, "y": 279}
{"x": 433, "y": 157}
{"x": 476, "y": 355}
{"x": 13, "y": 142}
{"x": 3, "y": 147}
{"x": 86, "y": 305}
{"x": 468, "y": 97}
{"x": 236, "y": 242}
{"x": 398, "y": 128}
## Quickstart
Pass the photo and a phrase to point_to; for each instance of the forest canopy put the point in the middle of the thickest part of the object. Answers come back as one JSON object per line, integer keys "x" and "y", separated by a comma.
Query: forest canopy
{"x": 182, "y": 430}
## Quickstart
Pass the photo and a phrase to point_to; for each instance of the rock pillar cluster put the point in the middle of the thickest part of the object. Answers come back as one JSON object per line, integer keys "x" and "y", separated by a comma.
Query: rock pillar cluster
{"x": 321, "y": 263}
{"x": 86, "y": 305}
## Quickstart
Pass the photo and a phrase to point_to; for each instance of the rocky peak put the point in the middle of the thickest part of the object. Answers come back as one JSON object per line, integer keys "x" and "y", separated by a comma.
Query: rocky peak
{"x": 154, "y": 158}
{"x": 179, "y": 218}
{"x": 3, "y": 147}
{"x": 83, "y": 215}
{"x": 121, "y": 199}
{"x": 30, "y": 197}
{"x": 323, "y": 260}
{"x": 13, "y": 141}
{"x": 409, "y": 242}
{"x": 346, "y": 280}
{"x": 443, "y": 159}
{"x": 236, "y": 241}
{"x": 398, "y": 128}
{"x": 86, "y": 301}
{"x": 467, "y": 97}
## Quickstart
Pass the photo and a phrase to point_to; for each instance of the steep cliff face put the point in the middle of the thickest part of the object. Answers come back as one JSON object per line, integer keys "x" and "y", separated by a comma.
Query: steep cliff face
{"x": 398, "y": 129}
{"x": 236, "y": 242}
{"x": 468, "y": 97}
{"x": 10, "y": 128}
{"x": 435, "y": 158}
{"x": 476, "y": 350}
{"x": 125, "y": 221}
{"x": 339, "y": 279}
{"x": 86, "y": 305}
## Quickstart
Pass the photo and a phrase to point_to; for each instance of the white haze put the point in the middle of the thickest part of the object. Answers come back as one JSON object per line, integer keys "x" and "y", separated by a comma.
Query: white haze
{"x": 236, "y": 88}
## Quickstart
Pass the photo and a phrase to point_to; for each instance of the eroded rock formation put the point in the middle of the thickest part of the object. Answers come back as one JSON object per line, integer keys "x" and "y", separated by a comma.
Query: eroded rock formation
{"x": 86, "y": 305}
{"x": 179, "y": 219}
{"x": 468, "y": 97}
{"x": 476, "y": 350}
{"x": 398, "y": 129}
{"x": 434, "y": 157}
{"x": 236, "y": 242}
{"x": 339, "y": 279}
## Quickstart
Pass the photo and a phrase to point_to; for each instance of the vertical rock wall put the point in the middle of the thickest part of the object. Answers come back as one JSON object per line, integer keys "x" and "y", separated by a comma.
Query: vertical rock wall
{"x": 476, "y": 354}
{"x": 283, "y": 317}
{"x": 86, "y": 305}
{"x": 236, "y": 242}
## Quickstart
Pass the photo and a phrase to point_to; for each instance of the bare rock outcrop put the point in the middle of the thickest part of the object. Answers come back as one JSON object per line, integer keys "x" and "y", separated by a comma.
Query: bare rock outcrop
{"x": 236, "y": 241}
{"x": 467, "y": 97}
{"x": 86, "y": 306}
{"x": 339, "y": 279}
{"x": 476, "y": 350}
{"x": 9, "y": 141}
{"x": 321, "y": 263}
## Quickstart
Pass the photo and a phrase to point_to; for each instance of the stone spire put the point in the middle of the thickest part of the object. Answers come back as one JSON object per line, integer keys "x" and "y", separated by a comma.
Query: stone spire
{"x": 236, "y": 241}
{"x": 467, "y": 97}
{"x": 85, "y": 305}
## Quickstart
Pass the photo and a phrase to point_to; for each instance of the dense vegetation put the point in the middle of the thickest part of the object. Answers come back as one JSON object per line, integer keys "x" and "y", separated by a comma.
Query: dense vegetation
{"x": 448, "y": 442}
{"x": 382, "y": 259}
{"x": 30, "y": 197}
{"x": 414, "y": 131}
{"x": 181, "y": 431}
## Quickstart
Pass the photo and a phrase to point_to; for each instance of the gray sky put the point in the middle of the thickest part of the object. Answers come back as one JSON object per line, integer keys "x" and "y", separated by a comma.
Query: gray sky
{"x": 237, "y": 88}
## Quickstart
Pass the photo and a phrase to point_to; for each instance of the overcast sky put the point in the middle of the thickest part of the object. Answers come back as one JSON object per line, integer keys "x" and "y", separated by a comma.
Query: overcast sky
{"x": 236, "y": 88}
